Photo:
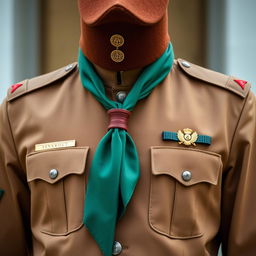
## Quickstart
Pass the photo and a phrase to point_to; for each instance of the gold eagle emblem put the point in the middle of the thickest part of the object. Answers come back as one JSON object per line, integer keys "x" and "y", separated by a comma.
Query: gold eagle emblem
{"x": 187, "y": 137}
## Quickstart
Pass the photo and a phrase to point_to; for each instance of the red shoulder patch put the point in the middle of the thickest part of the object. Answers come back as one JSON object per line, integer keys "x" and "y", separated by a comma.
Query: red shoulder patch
{"x": 15, "y": 87}
{"x": 242, "y": 83}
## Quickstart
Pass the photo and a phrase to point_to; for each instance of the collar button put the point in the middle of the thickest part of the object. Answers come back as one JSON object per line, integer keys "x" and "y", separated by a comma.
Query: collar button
{"x": 120, "y": 96}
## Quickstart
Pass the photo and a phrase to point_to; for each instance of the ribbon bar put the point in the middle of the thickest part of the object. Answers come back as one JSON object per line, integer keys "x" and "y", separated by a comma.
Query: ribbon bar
{"x": 118, "y": 118}
{"x": 172, "y": 136}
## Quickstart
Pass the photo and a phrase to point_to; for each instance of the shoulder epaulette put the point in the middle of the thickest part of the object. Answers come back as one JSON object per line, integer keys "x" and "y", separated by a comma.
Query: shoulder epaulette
{"x": 230, "y": 83}
{"x": 35, "y": 83}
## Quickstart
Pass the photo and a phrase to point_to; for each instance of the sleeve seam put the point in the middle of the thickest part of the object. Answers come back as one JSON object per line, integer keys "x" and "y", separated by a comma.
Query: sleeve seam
{"x": 16, "y": 152}
{"x": 13, "y": 141}
{"x": 236, "y": 127}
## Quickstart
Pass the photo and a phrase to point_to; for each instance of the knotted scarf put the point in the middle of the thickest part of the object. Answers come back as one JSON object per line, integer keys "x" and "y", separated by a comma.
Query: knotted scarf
{"x": 115, "y": 167}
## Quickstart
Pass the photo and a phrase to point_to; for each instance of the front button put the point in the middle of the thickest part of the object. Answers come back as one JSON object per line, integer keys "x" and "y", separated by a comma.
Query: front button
{"x": 53, "y": 173}
{"x": 120, "y": 96}
{"x": 117, "y": 248}
{"x": 186, "y": 175}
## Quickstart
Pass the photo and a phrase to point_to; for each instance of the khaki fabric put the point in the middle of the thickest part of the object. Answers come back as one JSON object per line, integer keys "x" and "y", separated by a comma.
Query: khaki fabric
{"x": 40, "y": 215}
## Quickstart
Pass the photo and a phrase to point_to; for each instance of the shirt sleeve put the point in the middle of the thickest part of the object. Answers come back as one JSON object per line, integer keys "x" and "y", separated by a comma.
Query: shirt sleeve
{"x": 15, "y": 235}
{"x": 238, "y": 227}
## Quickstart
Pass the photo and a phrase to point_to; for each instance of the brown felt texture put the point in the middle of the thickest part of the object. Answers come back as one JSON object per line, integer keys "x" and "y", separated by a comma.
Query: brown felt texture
{"x": 148, "y": 11}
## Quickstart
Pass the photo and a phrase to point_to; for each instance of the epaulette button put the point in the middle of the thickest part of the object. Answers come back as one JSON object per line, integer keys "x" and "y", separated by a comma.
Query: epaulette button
{"x": 68, "y": 67}
{"x": 185, "y": 64}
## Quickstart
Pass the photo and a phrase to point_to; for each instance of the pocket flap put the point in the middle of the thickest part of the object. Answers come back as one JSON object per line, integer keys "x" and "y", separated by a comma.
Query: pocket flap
{"x": 202, "y": 165}
{"x": 64, "y": 161}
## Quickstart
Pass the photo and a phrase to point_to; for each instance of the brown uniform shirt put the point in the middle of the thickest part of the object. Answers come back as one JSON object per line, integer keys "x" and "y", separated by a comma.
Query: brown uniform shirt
{"x": 41, "y": 215}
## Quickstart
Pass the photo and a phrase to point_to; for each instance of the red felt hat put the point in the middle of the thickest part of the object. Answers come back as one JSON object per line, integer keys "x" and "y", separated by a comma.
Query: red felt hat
{"x": 122, "y": 35}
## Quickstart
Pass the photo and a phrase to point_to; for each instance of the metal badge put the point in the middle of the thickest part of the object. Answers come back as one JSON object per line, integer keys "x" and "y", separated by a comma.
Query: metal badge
{"x": 117, "y": 41}
{"x": 53, "y": 145}
{"x": 187, "y": 137}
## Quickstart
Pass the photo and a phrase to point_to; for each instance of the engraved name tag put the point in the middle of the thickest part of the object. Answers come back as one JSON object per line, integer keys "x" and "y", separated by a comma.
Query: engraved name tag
{"x": 56, "y": 144}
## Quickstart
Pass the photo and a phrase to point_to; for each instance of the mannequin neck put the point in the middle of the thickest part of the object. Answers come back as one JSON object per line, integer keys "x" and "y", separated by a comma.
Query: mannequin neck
{"x": 118, "y": 79}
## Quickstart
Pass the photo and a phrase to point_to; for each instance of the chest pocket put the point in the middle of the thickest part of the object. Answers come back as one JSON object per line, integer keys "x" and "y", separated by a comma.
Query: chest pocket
{"x": 185, "y": 191}
{"x": 57, "y": 183}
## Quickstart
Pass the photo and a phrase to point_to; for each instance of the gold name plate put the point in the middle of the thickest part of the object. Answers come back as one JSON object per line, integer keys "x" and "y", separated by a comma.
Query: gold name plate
{"x": 53, "y": 145}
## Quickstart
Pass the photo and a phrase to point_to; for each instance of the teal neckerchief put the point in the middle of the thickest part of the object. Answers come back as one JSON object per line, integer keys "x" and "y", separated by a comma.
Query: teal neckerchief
{"x": 115, "y": 167}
